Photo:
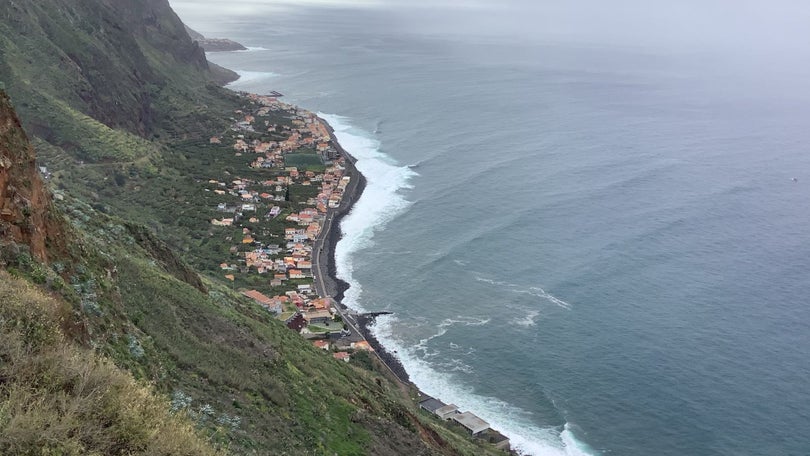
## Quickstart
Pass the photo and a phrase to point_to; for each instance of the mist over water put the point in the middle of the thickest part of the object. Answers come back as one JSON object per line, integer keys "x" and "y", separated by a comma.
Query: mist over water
{"x": 590, "y": 219}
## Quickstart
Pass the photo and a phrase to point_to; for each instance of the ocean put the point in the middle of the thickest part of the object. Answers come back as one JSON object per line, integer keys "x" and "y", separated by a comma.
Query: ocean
{"x": 590, "y": 219}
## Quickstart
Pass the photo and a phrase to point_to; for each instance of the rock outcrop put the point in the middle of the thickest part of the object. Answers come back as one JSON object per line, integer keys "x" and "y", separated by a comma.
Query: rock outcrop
{"x": 214, "y": 44}
{"x": 25, "y": 203}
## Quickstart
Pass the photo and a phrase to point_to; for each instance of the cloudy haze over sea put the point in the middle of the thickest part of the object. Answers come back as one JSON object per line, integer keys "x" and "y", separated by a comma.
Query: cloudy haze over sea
{"x": 590, "y": 218}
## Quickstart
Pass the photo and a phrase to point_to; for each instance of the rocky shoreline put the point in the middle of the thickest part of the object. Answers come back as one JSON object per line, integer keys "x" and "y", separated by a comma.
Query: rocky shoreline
{"x": 220, "y": 45}
{"x": 337, "y": 287}
{"x": 214, "y": 44}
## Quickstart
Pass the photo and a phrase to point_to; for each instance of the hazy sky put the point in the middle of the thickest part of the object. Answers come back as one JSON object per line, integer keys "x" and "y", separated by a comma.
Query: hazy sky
{"x": 686, "y": 21}
{"x": 769, "y": 38}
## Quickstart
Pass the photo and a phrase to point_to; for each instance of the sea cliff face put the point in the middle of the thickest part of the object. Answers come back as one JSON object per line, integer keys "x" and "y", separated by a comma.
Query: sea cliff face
{"x": 114, "y": 61}
{"x": 214, "y": 44}
{"x": 220, "y": 45}
{"x": 25, "y": 203}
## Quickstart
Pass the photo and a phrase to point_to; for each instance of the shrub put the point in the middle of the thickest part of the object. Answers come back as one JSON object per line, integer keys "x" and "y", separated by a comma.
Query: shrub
{"x": 58, "y": 398}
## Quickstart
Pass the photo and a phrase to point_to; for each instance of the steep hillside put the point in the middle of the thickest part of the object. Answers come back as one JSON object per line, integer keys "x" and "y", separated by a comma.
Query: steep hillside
{"x": 26, "y": 213}
{"x": 214, "y": 44}
{"x": 91, "y": 75}
{"x": 121, "y": 103}
{"x": 249, "y": 384}
{"x": 57, "y": 397}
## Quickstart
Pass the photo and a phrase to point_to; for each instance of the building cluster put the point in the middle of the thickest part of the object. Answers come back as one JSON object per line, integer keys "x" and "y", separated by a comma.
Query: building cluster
{"x": 273, "y": 237}
{"x": 474, "y": 425}
{"x": 274, "y": 231}
{"x": 305, "y": 131}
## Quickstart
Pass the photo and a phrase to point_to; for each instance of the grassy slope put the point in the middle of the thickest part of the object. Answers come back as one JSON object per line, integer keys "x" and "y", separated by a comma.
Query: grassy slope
{"x": 135, "y": 104}
{"x": 59, "y": 398}
{"x": 225, "y": 360}
{"x": 251, "y": 385}
{"x": 87, "y": 76}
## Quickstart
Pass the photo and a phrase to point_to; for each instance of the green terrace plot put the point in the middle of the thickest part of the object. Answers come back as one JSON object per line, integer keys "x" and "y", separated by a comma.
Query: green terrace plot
{"x": 320, "y": 328}
{"x": 260, "y": 282}
{"x": 174, "y": 197}
{"x": 305, "y": 161}
{"x": 268, "y": 228}
{"x": 252, "y": 280}
{"x": 299, "y": 194}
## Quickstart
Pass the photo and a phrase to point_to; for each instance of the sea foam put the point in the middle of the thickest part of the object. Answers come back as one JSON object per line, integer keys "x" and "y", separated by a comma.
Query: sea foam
{"x": 209, "y": 54}
{"x": 252, "y": 49}
{"x": 380, "y": 202}
{"x": 247, "y": 78}
{"x": 526, "y": 436}
{"x": 534, "y": 291}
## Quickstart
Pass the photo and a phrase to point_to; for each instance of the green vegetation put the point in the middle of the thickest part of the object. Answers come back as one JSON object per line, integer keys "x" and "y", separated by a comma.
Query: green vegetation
{"x": 133, "y": 352}
{"x": 64, "y": 62}
{"x": 58, "y": 398}
{"x": 310, "y": 162}
{"x": 248, "y": 382}
{"x": 89, "y": 139}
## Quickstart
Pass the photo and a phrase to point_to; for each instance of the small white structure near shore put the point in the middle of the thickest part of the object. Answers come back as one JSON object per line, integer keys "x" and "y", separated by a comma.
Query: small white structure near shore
{"x": 447, "y": 411}
{"x": 438, "y": 408}
{"x": 431, "y": 405}
{"x": 471, "y": 422}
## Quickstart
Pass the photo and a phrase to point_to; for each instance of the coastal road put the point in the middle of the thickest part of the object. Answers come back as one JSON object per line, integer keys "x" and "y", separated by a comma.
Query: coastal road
{"x": 321, "y": 252}
{"x": 317, "y": 249}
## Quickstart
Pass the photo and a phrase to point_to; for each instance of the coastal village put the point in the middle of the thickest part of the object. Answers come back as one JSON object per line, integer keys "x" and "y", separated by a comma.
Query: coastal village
{"x": 276, "y": 226}
{"x": 276, "y": 223}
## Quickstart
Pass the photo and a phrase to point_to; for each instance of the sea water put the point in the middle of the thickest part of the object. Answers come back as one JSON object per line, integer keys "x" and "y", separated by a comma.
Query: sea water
{"x": 590, "y": 220}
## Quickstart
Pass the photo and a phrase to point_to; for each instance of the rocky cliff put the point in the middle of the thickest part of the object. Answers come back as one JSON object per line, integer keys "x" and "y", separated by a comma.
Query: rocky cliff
{"x": 214, "y": 44}
{"x": 116, "y": 61}
{"x": 25, "y": 203}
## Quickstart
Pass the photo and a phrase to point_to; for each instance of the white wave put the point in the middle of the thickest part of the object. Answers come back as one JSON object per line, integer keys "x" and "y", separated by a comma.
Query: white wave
{"x": 250, "y": 77}
{"x": 460, "y": 262}
{"x": 253, "y": 49}
{"x": 380, "y": 202}
{"x": 212, "y": 54}
{"x": 534, "y": 291}
{"x": 391, "y": 252}
{"x": 577, "y": 447}
{"x": 444, "y": 326}
{"x": 526, "y": 436}
{"x": 530, "y": 319}
{"x": 457, "y": 365}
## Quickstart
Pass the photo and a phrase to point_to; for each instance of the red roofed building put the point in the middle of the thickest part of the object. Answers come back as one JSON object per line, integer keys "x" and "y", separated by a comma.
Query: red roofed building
{"x": 257, "y": 296}
{"x": 343, "y": 356}
{"x": 296, "y": 274}
{"x": 268, "y": 303}
{"x": 362, "y": 345}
